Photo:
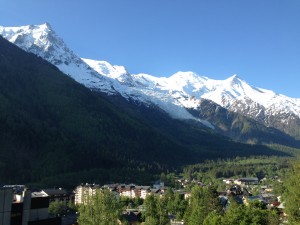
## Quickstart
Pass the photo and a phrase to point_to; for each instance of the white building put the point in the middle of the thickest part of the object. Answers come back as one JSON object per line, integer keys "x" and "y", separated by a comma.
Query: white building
{"x": 84, "y": 191}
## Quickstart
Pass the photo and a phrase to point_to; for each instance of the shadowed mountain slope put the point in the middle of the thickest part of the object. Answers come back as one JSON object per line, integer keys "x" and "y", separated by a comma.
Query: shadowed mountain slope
{"x": 51, "y": 126}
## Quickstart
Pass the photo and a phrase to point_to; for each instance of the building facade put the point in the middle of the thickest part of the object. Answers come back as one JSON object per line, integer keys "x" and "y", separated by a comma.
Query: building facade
{"x": 25, "y": 208}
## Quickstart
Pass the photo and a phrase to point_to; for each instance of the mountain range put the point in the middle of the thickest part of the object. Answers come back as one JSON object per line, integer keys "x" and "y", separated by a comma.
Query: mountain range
{"x": 100, "y": 119}
{"x": 181, "y": 95}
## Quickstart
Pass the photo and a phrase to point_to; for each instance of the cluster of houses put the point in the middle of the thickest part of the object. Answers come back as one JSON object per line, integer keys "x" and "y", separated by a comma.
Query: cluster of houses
{"x": 240, "y": 189}
{"x": 132, "y": 216}
{"x": 19, "y": 206}
{"x": 185, "y": 182}
{"x": 125, "y": 190}
{"x": 242, "y": 181}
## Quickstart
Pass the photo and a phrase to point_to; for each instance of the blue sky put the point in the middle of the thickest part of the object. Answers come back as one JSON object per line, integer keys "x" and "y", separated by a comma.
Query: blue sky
{"x": 259, "y": 39}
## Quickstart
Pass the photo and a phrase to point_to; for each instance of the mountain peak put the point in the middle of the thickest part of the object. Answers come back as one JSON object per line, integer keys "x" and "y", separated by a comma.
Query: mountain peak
{"x": 45, "y": 26}
{"x": 235, "y": 80}
{"x": 44, "y": 42}
{"x": 31, "y": 36}
{"x": 188, "y": 76}
{"x": 234, "y": 77}
{"x": 8, "y": 31}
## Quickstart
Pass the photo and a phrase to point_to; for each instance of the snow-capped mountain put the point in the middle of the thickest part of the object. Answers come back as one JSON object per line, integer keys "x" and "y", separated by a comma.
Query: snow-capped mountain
{"x": 44, "y": 42}
{"x": 188, "y": 88}
{"x": 234, "y": 94}
{"x": 176, "y": 95}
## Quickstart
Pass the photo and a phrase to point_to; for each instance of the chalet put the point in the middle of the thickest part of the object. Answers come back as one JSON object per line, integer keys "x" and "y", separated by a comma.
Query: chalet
{"x": 267, "y": 188}
{"x": 263, "y": 187}
{"x": 247, "y": 181}
{"x": 183, "y": 182}
{"x": 187, "y": 195}
{"x": 133, "y": 191}
{"x": 129, "y": 191}
{"x": 235, "y": 190}
{"x": 228, "y": 181}
{"x": 268, "y": 198}
{"x": 58, "y": 194}
{"x": 142, "y": 191}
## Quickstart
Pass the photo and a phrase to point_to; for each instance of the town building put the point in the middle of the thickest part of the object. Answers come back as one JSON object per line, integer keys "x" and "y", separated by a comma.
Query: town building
{"x": 84, "y": 190}
{"x": 25, "y": 208}
{"x": 57, "y": 194}
{"x": 247, "y": 181}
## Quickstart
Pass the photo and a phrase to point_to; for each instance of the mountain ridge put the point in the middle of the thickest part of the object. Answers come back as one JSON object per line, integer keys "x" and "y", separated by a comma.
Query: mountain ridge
{"x": 56, "y": 131}
{"x": 176, "y": 94}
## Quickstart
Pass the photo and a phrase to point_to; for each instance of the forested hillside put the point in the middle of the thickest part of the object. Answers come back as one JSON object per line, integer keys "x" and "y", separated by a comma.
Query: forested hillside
{"x": 56, "y": 131}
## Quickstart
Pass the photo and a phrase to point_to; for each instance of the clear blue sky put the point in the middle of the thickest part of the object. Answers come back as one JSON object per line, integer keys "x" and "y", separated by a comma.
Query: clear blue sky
{"x": 257, "y": 39}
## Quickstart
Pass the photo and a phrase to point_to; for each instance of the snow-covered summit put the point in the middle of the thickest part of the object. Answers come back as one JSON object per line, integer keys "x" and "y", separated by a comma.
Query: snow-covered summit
{"x": 233, "y": 93}
{"x": 38, "y": 39}
{"x": 97, "y": 75}
{"x": 44, "y": 42}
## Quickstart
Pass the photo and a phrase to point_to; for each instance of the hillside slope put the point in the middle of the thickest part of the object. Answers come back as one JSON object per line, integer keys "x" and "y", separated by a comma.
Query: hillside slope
{"x": 50, "y": 125}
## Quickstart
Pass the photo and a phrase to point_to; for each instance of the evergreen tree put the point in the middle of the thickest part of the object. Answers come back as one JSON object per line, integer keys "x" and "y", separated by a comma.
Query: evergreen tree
{"x": 292, "y": 194}
{"x": 155, "y": 211}
{"x": 253, "y": 214}
{"x": 163, "y": 218}
{"x": 176, "y": 204}
{"x": 179, "y": 205}
{"x": 203, "y": 201}
{"x": 169, "y": 199}
{"x": 150, "y": 213}
{"x": 72, "y": 207}
{"x": 57, "y": 208}
{"x": 213, "y": 218}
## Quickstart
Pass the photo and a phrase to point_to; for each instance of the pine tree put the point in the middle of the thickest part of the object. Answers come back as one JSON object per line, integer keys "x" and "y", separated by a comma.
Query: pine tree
{"x": 203, "y": 201}
{"x": 213, "y": 218}
{"x": 292, "y": 194}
